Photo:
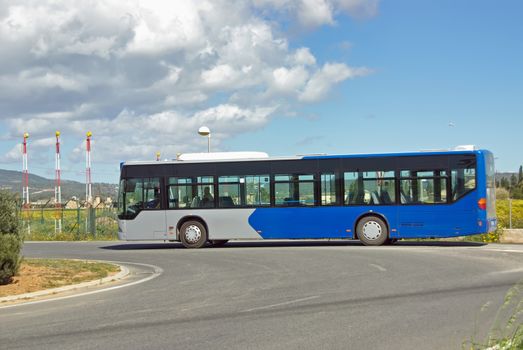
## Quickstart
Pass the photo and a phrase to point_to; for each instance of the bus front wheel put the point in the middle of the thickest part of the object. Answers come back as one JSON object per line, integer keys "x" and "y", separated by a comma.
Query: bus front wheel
{"x": 193, "y": 234}
{"x": 372, "y": 230}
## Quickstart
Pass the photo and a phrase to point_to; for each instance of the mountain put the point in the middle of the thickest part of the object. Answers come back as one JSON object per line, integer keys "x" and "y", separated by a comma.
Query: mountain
{"x": 42, "y": 188}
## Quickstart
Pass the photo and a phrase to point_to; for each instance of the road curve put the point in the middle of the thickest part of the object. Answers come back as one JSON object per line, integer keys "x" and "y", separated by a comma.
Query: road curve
{"x": 276, "y": 295}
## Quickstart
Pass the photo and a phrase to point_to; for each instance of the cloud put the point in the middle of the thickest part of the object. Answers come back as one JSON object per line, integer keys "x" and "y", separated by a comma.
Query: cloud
{"x": 323, "y": 80}
{"x": 315, "y": 13}
{"x": 145, "y": 75}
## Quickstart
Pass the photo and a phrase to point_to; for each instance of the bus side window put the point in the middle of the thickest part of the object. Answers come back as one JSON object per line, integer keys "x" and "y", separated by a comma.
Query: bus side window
{"x": 328, "y": 189}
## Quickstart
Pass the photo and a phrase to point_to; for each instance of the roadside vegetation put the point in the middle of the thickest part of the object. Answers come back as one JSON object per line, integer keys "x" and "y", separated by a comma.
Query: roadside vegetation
{"x": 39, "y": 274}
{"x": 506, "y": 331}
{"x": 10, "y": 237}
{"x": 77, "y": 224}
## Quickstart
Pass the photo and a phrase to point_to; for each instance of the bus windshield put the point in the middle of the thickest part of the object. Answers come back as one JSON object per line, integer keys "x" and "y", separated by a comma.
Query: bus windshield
{"x": 137, "y": 194}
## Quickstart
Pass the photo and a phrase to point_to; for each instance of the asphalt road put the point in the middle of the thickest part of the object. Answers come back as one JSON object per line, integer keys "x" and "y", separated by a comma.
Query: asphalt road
{"x": 285, "y": 295}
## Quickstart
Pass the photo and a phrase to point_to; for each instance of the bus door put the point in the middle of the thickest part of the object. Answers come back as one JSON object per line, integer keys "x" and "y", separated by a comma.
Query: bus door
{"x": 145, "y": 201}
{"x": 423, "y": 210}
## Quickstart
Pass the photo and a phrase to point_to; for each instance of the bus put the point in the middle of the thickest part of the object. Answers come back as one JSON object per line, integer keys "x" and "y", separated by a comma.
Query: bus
{"x": 375, "y": 198}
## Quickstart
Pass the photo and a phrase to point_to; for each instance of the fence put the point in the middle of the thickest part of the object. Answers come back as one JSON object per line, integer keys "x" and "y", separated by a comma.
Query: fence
{"x": 42, "y": 224}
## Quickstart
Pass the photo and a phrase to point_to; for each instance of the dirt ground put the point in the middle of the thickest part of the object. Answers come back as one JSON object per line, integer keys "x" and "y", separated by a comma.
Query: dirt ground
{"x": 34, "y": 275}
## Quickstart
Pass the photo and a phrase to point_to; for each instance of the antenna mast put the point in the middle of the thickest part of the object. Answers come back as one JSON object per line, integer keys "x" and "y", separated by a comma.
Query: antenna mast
{"x": 88, "y": 182}
{"x": 57, "y": 188}
{"x": 25, "y": 174}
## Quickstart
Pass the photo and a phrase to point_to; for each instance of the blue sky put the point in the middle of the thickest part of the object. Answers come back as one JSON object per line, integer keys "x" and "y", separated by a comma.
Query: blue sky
{"x": 361, "y": 76}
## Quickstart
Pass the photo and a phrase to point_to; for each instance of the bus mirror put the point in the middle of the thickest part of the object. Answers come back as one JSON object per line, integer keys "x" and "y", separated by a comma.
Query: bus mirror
{"x": 130, "y": 186}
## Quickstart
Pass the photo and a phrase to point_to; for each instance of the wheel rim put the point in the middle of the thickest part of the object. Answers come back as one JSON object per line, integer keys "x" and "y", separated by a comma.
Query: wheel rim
{"x": 372, "y": 230}
{"x": 193, "y": 234}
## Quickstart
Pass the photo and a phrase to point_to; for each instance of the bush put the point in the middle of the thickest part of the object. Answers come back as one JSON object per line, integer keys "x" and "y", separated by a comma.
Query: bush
{"x": 10, "y": 237}
{"x": 501, "y": 193}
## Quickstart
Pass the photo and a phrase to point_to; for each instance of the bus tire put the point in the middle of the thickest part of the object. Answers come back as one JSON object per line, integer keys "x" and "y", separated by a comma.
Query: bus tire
{"x": 193, "y": 234}
{"x": 219, "y": 242}
{"x": 372, "y": 230}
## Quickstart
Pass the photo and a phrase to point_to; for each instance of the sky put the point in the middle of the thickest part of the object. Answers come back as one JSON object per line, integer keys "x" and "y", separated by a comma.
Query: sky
{"x": 284, "y": 77}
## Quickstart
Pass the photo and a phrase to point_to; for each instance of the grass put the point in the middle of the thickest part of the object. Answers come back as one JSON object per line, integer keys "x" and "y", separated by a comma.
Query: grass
{"x": 506, "y": 332}
{"x": 71, "y": 271}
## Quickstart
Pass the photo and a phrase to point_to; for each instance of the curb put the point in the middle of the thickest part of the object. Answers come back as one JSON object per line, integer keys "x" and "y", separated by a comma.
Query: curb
{"x": 124, "y": 271}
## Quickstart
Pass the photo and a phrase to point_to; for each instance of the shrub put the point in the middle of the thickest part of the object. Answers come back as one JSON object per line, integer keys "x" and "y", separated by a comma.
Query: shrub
{"x": 501, "y": 193}
{"x": 10, "y": 237}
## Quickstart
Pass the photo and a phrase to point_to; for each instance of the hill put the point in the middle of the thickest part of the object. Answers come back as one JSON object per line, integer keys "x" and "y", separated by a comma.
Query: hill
{"x": 42, "y": 188}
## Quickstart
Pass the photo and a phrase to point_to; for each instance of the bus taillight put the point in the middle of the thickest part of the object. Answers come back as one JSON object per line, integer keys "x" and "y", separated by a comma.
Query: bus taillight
{"x": 482, "y": 204}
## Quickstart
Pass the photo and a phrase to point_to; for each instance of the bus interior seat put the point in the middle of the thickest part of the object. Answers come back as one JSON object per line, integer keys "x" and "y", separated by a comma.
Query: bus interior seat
{"x": 195, "y": 202}
{"x": 226, "y": 202}
{"x": 374, "y": 198}
{"x": 288, "y": 201}
{"x": 385, "y": 197}
{"x": 357, "y": 198}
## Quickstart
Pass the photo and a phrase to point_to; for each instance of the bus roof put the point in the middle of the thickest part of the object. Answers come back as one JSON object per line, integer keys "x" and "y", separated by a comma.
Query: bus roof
{"x": 223, "y": 157}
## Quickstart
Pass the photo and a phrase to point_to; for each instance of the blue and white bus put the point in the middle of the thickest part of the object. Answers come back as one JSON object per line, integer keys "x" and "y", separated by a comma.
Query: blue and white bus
{"x": 376, "y": 198}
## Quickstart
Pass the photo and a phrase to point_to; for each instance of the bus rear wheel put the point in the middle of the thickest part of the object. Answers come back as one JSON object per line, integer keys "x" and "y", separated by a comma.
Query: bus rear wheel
{"x": 372, "y": 230}
{"x": 193, "y": 234}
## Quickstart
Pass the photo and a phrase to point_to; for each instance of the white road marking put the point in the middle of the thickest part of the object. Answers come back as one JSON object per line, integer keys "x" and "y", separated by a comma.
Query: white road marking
{"x": 157, "y": 272}
{"x": 503, "y": 250}
{"x": 381, "y": 268}
{"x": 281, "y": 304}
{"x": 506, "y": 271}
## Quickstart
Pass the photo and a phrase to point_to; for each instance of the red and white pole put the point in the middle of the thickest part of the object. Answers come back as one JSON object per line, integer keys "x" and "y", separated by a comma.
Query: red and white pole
{"x": 88, "y": 182}
{"x": 57, "y": 188}
{"x": 25, "y": 174}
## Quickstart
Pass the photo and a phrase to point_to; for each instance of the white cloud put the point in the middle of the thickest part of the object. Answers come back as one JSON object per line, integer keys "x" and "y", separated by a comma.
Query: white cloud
{"x": 289, "y": 80}
{"x": 145, "y": 75}
{"x": 323, "y": 80}
{"x": 13, "y": 155}
{"x": 303, "y": 56}
{"x": 219, "y": 76}
{"x": 313, "y": 13}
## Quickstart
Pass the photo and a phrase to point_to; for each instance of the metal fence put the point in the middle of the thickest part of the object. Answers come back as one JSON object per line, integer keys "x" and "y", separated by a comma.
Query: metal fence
{"x": 50, "y": 223}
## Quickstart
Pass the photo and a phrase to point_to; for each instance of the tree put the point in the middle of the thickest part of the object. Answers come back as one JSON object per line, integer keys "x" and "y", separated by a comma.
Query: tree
{"x": 520, "y": 174}
{"x": 10, "y": 237}
{"x": 504, "y": 183}
{"x": 513, "y": 181}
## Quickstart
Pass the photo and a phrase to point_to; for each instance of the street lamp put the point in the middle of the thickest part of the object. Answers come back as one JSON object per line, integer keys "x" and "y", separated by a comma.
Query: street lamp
{"x": 204, "y": 131}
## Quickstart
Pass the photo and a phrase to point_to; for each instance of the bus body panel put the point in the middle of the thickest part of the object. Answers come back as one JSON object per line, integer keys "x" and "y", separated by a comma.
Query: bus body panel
{"x": 311, "y": 222}
{"x": 146, "y": 224}
{"x": 222, "y": 224}
{"x": 419, "y": 221}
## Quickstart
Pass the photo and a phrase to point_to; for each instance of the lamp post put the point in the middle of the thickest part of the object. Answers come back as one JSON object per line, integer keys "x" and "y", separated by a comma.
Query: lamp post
{"x": 204, "y": 131}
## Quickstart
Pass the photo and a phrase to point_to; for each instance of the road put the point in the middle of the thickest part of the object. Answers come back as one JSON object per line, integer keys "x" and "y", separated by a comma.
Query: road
{"x": 276, "y": 295}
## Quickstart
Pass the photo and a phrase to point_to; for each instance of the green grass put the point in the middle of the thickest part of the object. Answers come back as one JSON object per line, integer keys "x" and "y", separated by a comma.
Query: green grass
{"x": 506, "y": 332}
